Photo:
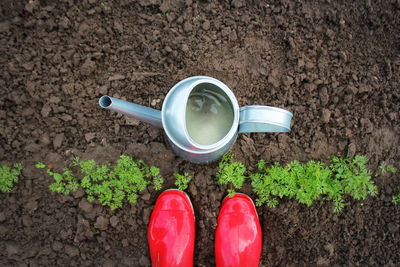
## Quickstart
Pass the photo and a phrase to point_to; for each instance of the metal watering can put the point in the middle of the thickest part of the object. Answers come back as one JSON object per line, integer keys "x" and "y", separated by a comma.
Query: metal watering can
{"x": 202, "y": 118}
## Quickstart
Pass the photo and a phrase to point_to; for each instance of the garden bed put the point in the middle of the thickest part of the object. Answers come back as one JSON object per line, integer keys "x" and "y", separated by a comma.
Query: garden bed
{"x": 333, "y": 64}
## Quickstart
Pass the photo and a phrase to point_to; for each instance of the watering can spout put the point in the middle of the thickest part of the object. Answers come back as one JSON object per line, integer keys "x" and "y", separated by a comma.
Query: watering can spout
{"x": 139, "y": 112}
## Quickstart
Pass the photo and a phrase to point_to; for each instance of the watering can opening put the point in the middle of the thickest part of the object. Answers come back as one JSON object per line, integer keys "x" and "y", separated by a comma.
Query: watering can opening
{"x": 105, "y": 101}
{"x": 209, "y": 114}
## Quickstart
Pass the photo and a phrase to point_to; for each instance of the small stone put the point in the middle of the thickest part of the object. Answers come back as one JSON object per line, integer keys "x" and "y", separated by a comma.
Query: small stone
{"x": 326, "y": 115}
{"x": 393, "y": 116}
{"x": 28, "y": 66}
{"x": 168, "y": 49}
{"x": 90, "y": 136}
{"x": 193, "y": 189}
{"x": 330, "y": 248}
{"x": 116, "y": 77}
{"x": 317, "y": 82}
{"x": 56, "y": 246}
{"x": 85, "y": 206}
{"x": 146, "y": 196}
{"x": 323, "y": 262}
{"x": 64, "y": 22}
{"x": 131, "y": 121}
{"x": 146, "y": 215}
{"x": 187, "y": 27}
{"x": 273, "y": 78}
{"x": 4, "y": 26}
{"x": 237, "y": 3}
{"x": 185, "y": 48}
{"x": 54, "y": 100}
{"x": 71, "y": 251}
{"x": 27, "y": 112}
{"x": 351, "y": 89}
{"x": 351, "y": 150}
{"x": 103, "y": 90}
{"x": 125, "y": 242}
{"x": 88, "y": 67}
{"x": 78, "y": 193}
{"x": 393, "y": 228}
{"x": 118, "y": 26}
{"x": 323, "y": 96}
{"x": 45, "y": 139}
{"x": 57, "y": 141}
{"x": 68, "y": 88}
{"x": 12, "y": 248}
{"x": 32, "y": 147}
{"x": 108, "y": 263}
{"x": 287, "y": 80}
{"x": 31, "y": 206}
{"x": 66, "y": 117}
{"x": 114, "y": 221}
{"x": 144, "y": 261}
{"x": 101, "y": 223}
{"x": 2, "y": 217}
{"x": 206, "y": 25}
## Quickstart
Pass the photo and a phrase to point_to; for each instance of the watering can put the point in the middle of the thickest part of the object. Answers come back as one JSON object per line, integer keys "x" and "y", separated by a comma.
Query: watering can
{"x": 201, "y": 118}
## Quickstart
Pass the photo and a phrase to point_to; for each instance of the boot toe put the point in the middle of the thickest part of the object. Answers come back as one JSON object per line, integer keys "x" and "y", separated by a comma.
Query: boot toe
{"x": 238, "y": 238}
{"x": 171, "y": 230}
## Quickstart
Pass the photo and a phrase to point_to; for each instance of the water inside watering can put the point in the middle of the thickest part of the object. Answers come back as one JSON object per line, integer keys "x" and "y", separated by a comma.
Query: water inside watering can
{"x": 209, "y": 114}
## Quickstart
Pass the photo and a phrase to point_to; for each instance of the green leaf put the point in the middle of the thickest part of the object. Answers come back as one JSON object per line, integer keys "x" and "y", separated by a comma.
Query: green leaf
{"x": 9, "y": 176}
{"x": 40, "y": 165}
{"x": 313, "y": 180}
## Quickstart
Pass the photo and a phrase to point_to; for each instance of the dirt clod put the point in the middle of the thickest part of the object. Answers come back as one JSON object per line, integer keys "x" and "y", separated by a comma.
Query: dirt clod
{"x": 101, "y": 223}
{"x": 57, "y": 141}
{"x": 114, "y": 221}
{"x": 85, "y": 206}
{"x": 71, "y": 250}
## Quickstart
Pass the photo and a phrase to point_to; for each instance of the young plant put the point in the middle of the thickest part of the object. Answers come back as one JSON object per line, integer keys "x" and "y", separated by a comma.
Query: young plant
{"x": 303, "y": 182}
{"x": 182, "y": 180}
{"x": 112, "y": 186}
{"x": 231, "y": 173}
{"x": 310, "y": 181}
{"x": 157, "y": 179}
{"x": 384, "y": 167}
{"x": 64, "y": 182}
{"x": 396, "y": 196}
{"x": 354, "y": 177}
{"x": 9, "y": 176}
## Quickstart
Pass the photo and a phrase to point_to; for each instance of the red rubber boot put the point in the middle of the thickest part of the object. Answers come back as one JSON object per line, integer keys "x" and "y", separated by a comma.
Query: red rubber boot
{"x": 238, "y": 238}
{"x": 171, "y": 230}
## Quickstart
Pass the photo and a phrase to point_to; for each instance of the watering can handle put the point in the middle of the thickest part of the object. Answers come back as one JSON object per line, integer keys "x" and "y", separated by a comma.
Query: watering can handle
{"x": 264, "y": 119}
{"x": 139, "y": 112}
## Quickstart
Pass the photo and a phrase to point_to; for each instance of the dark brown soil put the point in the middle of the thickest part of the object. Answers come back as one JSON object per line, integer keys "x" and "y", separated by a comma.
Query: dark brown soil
{"x": 334, "y": 64}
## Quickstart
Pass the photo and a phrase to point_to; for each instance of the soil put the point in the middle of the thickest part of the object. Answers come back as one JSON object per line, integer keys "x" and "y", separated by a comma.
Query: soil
{"x": 334, "y": 64}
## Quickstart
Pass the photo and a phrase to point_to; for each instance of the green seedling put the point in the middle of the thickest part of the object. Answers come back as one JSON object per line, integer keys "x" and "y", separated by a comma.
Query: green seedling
{"x": 182, "y": 180}
{"x": 310, "y": 181}
{"x": 354, "y": 177}
{"x": 9, "y": 176}
{"x": 109, "y": 185}
{"x": 231, "y": 173}
{"x": 384, "y": 168}
{"x": 304, "y": 182}
{"x": 64, "y": 182}
{"x": 396, "y": 196}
